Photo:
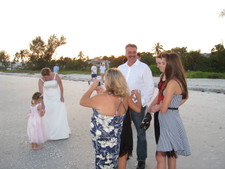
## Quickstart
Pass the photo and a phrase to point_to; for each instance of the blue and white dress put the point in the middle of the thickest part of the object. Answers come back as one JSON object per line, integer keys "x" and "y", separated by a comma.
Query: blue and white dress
{"x": 106, "y": 131}
{"x": 173, "y": 136}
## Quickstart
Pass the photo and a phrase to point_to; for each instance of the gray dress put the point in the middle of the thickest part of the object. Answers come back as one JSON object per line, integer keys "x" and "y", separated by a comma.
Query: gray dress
{"x": 173, "y": 137}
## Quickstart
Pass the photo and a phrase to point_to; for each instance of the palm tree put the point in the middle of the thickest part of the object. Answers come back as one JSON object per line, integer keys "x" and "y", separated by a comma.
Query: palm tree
{"x": 157, "y": 49}
{"x": 218, "y": 47}
{"x": 22, "y": 56}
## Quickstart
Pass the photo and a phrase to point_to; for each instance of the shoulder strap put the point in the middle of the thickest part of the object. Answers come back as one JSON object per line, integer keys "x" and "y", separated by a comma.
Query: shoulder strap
{"x": 121, "y": 102}
{"x": 42, "y": 80}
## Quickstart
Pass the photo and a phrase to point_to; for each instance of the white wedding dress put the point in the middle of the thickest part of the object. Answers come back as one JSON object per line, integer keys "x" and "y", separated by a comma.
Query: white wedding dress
{"x": 55, "y": 118}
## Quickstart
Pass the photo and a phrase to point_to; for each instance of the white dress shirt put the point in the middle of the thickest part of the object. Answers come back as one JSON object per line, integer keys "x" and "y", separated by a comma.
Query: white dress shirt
{"x": 139, "y": 76}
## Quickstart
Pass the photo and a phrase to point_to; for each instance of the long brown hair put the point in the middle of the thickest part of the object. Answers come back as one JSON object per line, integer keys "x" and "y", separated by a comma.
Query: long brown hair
{"x": 175, "y": 70}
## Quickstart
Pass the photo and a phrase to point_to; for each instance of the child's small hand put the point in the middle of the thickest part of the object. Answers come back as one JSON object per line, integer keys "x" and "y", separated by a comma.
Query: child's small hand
{"x": 42, "y": 113}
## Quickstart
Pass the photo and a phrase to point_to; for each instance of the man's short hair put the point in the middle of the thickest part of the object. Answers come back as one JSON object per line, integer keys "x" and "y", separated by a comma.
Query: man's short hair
{"x": 131, "y": 45}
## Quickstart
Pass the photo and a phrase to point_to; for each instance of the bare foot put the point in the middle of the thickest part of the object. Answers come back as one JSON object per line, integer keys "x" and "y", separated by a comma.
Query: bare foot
{"x": 37, "y": 148}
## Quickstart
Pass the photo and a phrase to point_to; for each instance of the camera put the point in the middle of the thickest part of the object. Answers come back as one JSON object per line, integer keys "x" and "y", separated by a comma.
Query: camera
{"x": 99, "y": 85}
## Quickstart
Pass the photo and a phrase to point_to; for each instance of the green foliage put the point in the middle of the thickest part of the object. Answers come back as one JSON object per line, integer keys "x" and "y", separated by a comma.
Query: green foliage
{"x": 115, "y": 62}
{"x": 4, "y": 59}
{"x": 147, "y": 58}
{"x": 155, "y": 70}
{"x": 40, "y": 55}
{"x": 210, "y": 75}
{"x": 217, "y": 58}
{"x": 41, "y": 52}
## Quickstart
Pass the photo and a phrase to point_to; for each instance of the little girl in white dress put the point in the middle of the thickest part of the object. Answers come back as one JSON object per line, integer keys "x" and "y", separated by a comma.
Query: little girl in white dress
{"x": 35, "y": 128}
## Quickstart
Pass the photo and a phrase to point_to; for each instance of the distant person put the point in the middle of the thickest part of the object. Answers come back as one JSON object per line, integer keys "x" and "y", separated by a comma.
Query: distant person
{"x": 56, "y": 69}
{"x": 139, "y": 77}
{"x": 173, "y": 140}
{"x": 109, "y": 108}
{"x": 102, "y": 71}
{"x": 124, "y": 60}
{"x": 35, "y": 128}
{"x": 55, "y": 119}
{"x": 93, "y": 73}
{"x": 138, "y": 56}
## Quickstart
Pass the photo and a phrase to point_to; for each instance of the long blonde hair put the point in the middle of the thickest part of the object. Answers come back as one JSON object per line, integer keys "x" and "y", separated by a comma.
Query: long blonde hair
{"x": 115, "y": 83}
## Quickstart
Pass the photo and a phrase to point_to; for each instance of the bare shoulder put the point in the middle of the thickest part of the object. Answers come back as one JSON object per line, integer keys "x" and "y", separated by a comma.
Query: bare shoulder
{"x": 174, "y": 84}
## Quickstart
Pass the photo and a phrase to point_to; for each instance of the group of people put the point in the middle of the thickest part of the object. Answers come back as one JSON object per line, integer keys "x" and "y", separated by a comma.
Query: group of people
{"x": 127, "y": 93}
{"x": 47, "y": 119}
{"x": 124, "y": 99}
{"x": 94, "y": 72}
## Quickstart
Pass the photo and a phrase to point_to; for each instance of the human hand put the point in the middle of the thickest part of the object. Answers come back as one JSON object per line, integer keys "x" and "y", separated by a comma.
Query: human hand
{"x": 136, "y": 94}
{"x": 149, "y": 109}
{"x": 100, "y": 90}
{"x": 94, "y": 85}
{"x": 62, "y": 99}
{"x": 42, "y": 113}
{"x": 154, "y": 108}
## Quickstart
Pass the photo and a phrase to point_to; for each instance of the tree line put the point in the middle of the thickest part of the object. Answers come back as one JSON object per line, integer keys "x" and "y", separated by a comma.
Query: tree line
{"x": 40, "y": 54}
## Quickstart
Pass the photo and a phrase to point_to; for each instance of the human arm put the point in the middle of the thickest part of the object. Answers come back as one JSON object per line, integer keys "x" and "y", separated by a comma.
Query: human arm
{"x": 40, "y": 110}
{"x": 148, "y": 90}
{"x": 137, "y": 105}
{"x": 153, "y": 103}
{"x": 170, "y": 91}
{"x": 183, "y": 101}
{"x": 86, "y": 100}
{"x": 40, "y": 87}
{"x": 59, "y": 81}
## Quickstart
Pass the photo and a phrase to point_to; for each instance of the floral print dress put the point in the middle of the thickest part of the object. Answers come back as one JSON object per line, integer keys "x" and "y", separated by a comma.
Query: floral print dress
{"x": 106, "y": 131}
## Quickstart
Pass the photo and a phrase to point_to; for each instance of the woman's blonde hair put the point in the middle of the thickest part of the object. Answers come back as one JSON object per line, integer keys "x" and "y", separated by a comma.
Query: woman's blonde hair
{"x": 115, "y": 83}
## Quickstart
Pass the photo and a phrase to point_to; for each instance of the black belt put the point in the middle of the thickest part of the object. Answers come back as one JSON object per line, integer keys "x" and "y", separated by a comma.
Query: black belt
{"x": 173, "y": 108}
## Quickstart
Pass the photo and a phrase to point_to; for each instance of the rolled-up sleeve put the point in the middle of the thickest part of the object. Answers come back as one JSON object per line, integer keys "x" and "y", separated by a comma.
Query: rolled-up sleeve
{"x": 147, "y": 91}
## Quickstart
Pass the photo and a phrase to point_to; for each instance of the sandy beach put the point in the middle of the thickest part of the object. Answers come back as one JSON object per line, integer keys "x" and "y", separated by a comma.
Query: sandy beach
{"x": 203, "y": 116}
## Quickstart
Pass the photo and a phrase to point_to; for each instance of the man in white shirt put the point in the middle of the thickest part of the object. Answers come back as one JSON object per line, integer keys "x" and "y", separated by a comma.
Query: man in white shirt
{"x": 138, "y": 76}
{"x": 102, "y": 71}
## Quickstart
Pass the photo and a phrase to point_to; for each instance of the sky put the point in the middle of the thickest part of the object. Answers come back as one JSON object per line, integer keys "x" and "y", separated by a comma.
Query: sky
{"x": 105, "y": 27}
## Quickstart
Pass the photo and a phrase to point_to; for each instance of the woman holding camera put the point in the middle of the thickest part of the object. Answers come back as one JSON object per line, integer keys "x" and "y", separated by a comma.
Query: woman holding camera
{"x": 109, "y": 108}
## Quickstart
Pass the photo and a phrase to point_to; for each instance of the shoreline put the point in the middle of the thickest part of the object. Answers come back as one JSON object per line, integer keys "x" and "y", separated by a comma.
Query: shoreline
{"x": 202, "y": 85}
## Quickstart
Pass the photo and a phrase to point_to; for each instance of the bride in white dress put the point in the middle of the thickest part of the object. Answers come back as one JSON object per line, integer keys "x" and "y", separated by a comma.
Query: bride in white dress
{"x": 55, "y": 118}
